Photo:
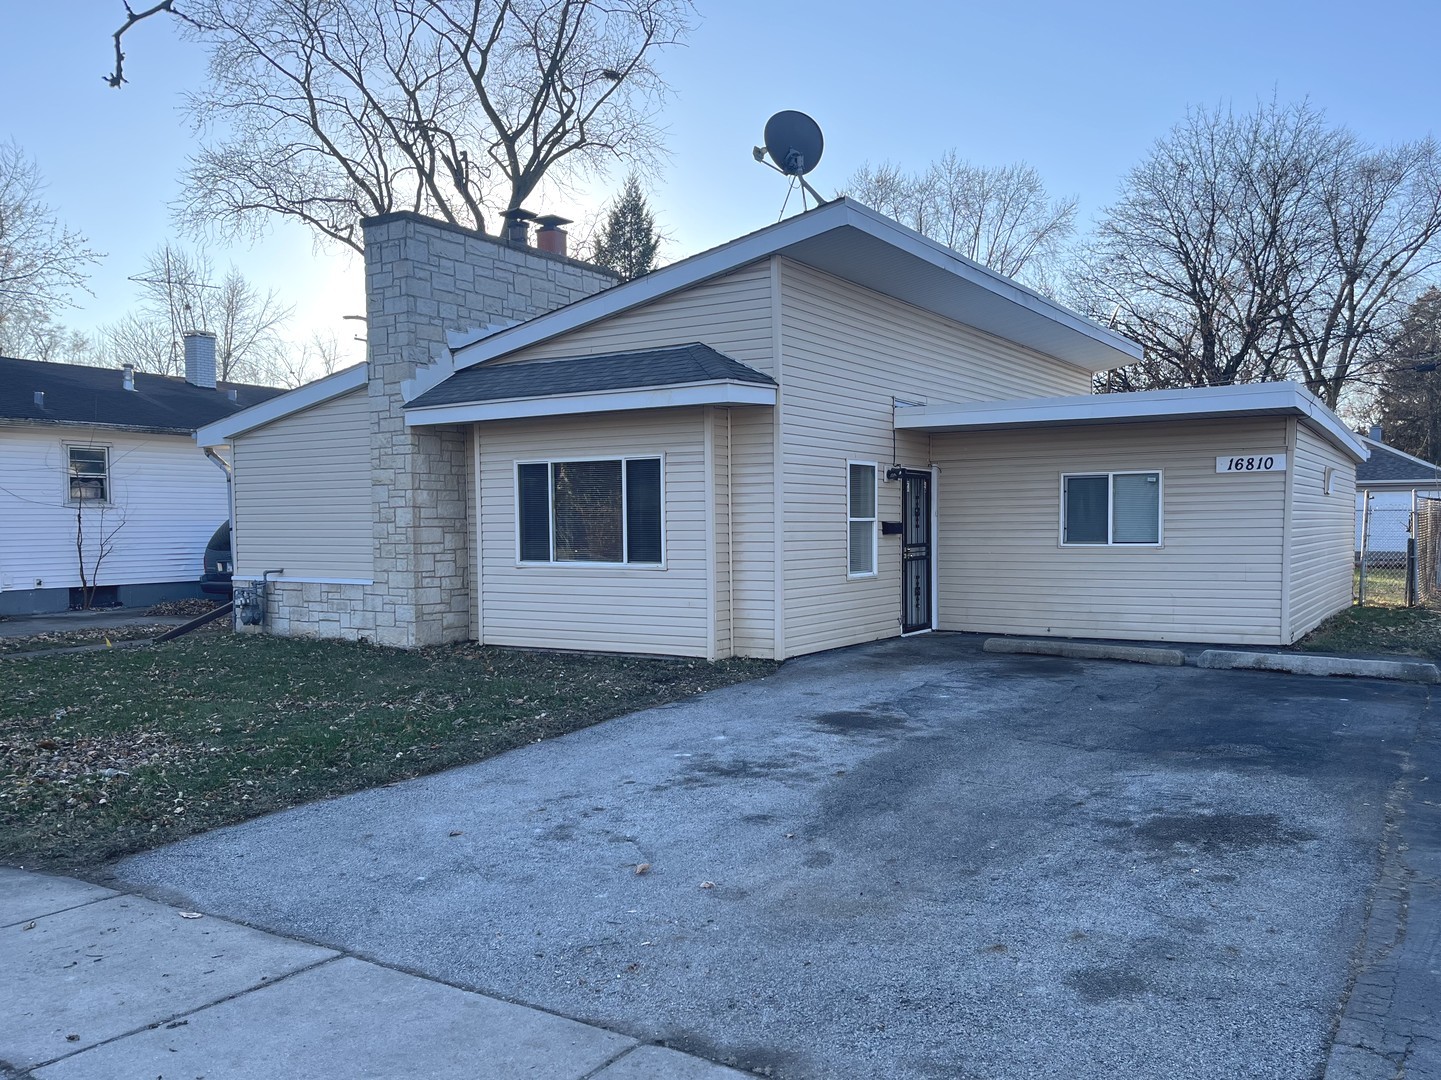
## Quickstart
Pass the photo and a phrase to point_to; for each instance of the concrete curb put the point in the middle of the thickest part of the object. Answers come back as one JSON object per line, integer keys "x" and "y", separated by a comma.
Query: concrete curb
{"x": 1077, "y": 650}
{"x": 1305, "y": 664}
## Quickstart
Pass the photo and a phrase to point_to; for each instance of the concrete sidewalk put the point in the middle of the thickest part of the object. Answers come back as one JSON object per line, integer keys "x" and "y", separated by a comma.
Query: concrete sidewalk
{"x": 101, "y": 984}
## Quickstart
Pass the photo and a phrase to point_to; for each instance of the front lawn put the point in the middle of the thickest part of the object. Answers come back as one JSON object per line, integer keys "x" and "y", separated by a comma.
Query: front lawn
{"x": 107, "y": 753}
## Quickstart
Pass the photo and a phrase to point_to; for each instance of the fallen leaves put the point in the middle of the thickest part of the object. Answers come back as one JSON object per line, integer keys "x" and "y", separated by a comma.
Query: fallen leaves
{"x": 642, "y": 868}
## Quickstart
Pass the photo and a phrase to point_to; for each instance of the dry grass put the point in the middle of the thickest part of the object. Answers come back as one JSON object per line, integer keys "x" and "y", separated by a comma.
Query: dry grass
{"x": 106, "y": 753}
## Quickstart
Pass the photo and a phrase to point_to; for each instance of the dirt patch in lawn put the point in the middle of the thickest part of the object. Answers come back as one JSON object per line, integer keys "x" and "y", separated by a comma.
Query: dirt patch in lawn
{"x": 106, "y": 753}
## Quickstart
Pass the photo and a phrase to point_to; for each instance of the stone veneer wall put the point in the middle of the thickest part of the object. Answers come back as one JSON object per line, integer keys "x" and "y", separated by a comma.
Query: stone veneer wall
{"x": 422, "y": 279}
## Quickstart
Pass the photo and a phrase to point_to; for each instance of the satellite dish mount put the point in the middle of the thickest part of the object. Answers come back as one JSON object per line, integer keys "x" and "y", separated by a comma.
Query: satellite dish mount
{"x": 793, "y": 148}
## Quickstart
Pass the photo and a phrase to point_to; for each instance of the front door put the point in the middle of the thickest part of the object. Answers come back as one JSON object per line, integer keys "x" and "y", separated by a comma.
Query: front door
{"x": 915, "y": 551}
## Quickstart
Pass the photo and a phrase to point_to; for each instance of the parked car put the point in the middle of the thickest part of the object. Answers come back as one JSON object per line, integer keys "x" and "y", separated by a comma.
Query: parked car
{"x": 219, "y": 563}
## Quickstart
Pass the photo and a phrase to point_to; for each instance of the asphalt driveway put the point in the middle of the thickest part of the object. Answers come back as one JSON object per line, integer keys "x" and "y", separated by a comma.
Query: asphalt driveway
{"x": 910, "y": 859}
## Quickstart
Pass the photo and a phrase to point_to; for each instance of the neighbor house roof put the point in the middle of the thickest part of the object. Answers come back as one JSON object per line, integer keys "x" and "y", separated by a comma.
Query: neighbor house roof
{"x": 853, "y": 242}
{"x": 96, "y": 396}
{"x": 1394, "y": 468}
{"x": 1200, "y": 403}
{"x": 692, "y": 374}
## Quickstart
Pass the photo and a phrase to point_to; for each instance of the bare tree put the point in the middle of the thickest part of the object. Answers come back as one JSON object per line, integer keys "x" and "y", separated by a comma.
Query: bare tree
{"x": 95, "y": 541}
{"x": 181, "y": 292}
{"x": 335, "y": 110}
{"x": 1262, "y": 246}
{"x": 41, "y": 261}
{"x": 997, "y": 215}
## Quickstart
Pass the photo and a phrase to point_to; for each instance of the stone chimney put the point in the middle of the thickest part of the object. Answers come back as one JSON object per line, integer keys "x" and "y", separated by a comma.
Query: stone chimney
{"x": 424, "y": 278}
{"x": 127, "y": 376}
{"x": 200, "y": 359}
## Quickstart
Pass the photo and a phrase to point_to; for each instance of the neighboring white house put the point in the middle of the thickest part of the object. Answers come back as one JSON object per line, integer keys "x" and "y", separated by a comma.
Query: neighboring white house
{"x": 827, "y": 432}
{"x": 100, "y": 463}
{"x": 1388, "y": 484}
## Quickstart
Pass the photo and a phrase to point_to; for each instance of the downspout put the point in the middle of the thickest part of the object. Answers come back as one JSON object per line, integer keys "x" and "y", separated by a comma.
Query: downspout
{"x": 229, "y": 470}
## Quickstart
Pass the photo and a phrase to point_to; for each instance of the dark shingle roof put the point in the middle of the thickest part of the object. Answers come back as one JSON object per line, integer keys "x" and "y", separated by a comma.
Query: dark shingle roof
{"x": 75, "y": 394}
{"x": 1389, "y": 464}
{"x": 673, "y": 366}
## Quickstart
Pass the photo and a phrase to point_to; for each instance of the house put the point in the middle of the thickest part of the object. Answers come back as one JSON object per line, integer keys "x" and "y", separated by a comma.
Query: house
{"x": 1388, "y": 484}
{"x": 99, "y": 472}
{"x": 826, "y": 432}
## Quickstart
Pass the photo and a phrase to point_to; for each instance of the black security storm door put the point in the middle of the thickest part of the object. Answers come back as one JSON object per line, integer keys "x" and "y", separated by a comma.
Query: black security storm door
{"x": 915, "y": 551}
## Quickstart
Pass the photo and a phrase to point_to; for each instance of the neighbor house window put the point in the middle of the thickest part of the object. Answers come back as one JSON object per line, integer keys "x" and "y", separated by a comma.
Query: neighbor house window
{"x": 593, "y": 511}
{"x": 1111, "y": 508}
{"x": 861, "y": 516}
{"x": 89, "y": 473}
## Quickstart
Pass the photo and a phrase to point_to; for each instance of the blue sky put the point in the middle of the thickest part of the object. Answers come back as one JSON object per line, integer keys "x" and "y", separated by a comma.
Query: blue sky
{"x": 1078, "y": 91}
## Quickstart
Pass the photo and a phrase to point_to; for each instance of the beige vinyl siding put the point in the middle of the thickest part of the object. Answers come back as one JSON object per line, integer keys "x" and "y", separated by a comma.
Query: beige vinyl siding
{"x": 166, "y": 501}
{"x": 608, "y": 609}
{"x": 753, "y": 531}
{"x": 302, "y": 494}
{"x": 1321, "y": 554}
{"x": 1216, "y": 577}
{"x": 731, "y": 314}
{"x": 847, "y": 353}
{"x": 718, "y": 421}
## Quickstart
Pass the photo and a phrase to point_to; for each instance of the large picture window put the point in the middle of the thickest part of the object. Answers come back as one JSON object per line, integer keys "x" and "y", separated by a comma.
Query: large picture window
{"x": 89, "y": 474}
{"x": 1111, "y": 508}
{"x": 590, "y": 511}
{"x": 861, "y": 518}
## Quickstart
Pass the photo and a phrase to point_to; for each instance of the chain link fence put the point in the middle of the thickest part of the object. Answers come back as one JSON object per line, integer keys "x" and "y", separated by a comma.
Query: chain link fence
{"x": 1383, "y": 553}
{"x": 1427, "y": 527}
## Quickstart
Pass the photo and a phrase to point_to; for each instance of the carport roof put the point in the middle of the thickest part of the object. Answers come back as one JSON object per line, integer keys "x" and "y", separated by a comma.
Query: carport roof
{"x": 1201, "y": 403}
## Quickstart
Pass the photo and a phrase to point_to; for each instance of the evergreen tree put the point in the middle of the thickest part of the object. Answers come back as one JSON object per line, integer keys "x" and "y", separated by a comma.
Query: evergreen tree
{"x": 628, "y": 241}
{"x": 1409, "y": 398}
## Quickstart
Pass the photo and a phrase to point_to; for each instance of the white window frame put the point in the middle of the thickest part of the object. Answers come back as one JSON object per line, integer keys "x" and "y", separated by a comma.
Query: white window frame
{"x": 550, "y": 464}
{"x": 1110, "y": 509}
{"x": 109, "y": 499}
{"x": 874, "y": 519}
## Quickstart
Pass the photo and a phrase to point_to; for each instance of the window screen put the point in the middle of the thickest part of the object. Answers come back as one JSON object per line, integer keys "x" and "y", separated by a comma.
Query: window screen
{"x": 533, "y": 499}
{"x": 1086, "y": 510}
{"x": 642, "y": 510}
{"x": 1136, "y": 508}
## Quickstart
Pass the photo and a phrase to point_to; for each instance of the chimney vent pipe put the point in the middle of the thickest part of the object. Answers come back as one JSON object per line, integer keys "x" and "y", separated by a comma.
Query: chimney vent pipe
{"x": 128, "y": 375}
{"x": 517, "y": 227}
{"x": 551, "y": 237}
{"x": 40, "y": 398}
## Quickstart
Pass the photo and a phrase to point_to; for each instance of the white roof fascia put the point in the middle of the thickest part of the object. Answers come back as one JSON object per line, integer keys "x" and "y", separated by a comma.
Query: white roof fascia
{"x": 720, "y": 392}
{"x": 304, "y": 397}
{"x": 763, "y": 244}
{"x": 1399, "y": 453}
{"x": 1192, "y": 403}
{"x": 1418, "y": 483}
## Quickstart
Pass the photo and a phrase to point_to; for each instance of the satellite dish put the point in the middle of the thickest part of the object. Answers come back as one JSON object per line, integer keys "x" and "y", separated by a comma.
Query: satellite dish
{"x": 794, "y": 145}
{"x": 794, "y": 142}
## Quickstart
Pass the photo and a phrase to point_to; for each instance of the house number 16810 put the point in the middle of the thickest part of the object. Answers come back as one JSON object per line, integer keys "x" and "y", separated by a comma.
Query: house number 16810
{"x": 1252, "y": 463}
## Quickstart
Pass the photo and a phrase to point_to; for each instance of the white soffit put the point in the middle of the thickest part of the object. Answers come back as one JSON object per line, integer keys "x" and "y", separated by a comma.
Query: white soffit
{"x": 723, "y": 392}
{"x": 853, "y": 242}
{"x": 1204, "y": 403}
{"x": 303, "y": 397}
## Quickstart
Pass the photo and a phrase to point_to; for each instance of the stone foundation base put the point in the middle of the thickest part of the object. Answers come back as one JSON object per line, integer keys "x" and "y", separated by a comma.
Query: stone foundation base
{"x": 344, "y": 612}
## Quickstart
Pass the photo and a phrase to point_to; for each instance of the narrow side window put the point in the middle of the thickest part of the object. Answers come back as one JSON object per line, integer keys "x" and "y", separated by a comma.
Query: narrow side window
{"x": 862, "y": 519}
